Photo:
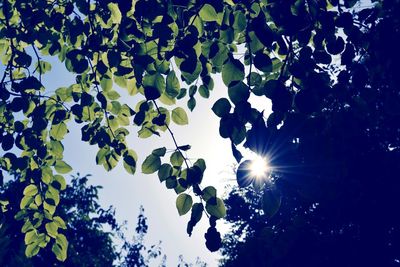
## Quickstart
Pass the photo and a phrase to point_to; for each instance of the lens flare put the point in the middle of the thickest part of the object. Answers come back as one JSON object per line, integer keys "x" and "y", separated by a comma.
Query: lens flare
{"x": 259, "y": 167}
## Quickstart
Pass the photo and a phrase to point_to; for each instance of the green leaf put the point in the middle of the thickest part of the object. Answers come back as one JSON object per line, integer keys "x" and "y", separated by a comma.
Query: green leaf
{"x": 172, "y": 86}
{"x": 26, "y": 201}
{"x": 183, "y": 203}
{"x": 201, "y": 164}
{"x": 179, "y": 116}
{"x": 222, "y": 107}
{"x": 62, "y": 167}
{"x": 52, "y": 229}
{"x": 30, "y": 190}
{"x": 160, "y": 152}
{"x": 31, "y": 250}
{"x": 207, "y": 13}
{"x": 60, "y": 222}
{"x": 164, "y": 172}
{"x": 209, "y": 192}
{"x": 151, "y": 164}
{"x": 130, "y": 158}
{"x": 238, "y": 92}
{"x": 204, "y": 92}
{"x": 191, "y": 104}
{"x": 60, "y": 180}
{"x": 62, "y": 240}
{"x": 232, "y": 71}
{"x": 217, "y": 210}
{"x": 58, "y": 131}
{"x": 176, "y": 159}
{"x": 154, "y": 86}
{"x": 115, "y": 13}
{"x": 239, "y": 23}
{"x": 106, "y": 84}
{"x": 61, "y": 253}
{"x": 30, "y": 237}
{"x": 101, "y": 155}
{"x": 197, "y": 212}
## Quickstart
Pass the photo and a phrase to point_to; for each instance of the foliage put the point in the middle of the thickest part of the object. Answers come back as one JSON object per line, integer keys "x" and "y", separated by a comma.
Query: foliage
{"x": 332, "y": 196}
{"x": 90, "y": 244}
{"x": 327, "y": 66}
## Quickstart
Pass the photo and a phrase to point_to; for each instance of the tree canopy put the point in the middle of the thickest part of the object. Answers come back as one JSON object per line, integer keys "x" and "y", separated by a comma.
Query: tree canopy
{"x": 92, "y": 231}
{"x": 328, "y": 67}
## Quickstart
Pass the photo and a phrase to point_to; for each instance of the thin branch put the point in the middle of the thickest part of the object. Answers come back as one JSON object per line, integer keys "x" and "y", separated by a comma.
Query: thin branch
{"x": 172, "y": 135}
{"x": 249, "y": 49}
{"x": 39, "y": 63}
{"x": 290, "y": 50}
{"x": 98, "y": 91}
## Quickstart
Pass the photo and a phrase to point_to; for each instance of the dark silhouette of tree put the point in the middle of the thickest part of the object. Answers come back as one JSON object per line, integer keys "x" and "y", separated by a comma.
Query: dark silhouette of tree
{"x": 92, "y": 232}
{"x": 334, "y": 191}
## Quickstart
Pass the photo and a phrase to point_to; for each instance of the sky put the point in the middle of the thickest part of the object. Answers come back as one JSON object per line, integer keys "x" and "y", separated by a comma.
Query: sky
{"x": 126, "y": 192}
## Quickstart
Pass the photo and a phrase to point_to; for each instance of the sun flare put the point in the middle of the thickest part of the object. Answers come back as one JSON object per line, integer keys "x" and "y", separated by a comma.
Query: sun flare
{"x": 259, "y": 167}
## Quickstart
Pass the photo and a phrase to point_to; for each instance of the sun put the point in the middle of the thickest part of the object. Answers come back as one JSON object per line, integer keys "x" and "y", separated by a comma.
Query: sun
{"x": 259, "y": 167}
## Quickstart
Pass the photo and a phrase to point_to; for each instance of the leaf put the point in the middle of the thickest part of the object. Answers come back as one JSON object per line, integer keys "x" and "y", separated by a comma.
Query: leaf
{"x": 58, "y": 131}
{"x": 179, "y": 116}
{"x": 197, "y": 212}
{"x": 217, "y": 210}
{"x": 115, "y": 13}
{"x": 263, "y": 62}
{"x": 62, "y": 240}
{"x": 31, "y": 250}
{"x": 60, "y": 180}
{"x": 160, "y": 152}
{"x": 52, "y": 229}
{"x": 172, "y": 86}
{"x": 30, "y": 237}
{"x": 209, "y": 192}
{"x": 30, "y": 190}
{"x": 195, "y": 217}
{"x": 176, "y": 159}
{"x": 60, "y": 222}
{"x": 62, "y": 167}
{"x": 151, "y": 164}
{"x": 130, "y": 159}
{"x": 232, "y": 71}
{"x": 222, "y": 107}
{"x": 201, "y": 164}
{"x": 207, "y": 13}
{"x": 238, "y": 92}
{"x": 243, "y": 174}
{"x": 164, "y": 172}
{"x": 183, "y": 203}
{"x": 271, "y": 201}
{"x": 236, "y": 153}
{"x": 61, "y": 253}
{"x": 154, "y": 86}
{"x": 26, "y": 201}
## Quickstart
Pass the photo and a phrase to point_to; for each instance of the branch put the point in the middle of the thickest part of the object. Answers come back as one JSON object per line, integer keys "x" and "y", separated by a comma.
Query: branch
{"x": 172, "y": 135}
{"x": 249, "y": 49}
{"x": 290, "y": 50}
{"x": 98, "y": 91}
{"x": 39, "y": 63}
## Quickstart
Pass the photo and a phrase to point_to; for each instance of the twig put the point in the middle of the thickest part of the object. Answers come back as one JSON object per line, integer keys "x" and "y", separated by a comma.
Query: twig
{"x": 98, "y": 91}
{"x": 172, "y": 135}
{"x": 39, "y": 63}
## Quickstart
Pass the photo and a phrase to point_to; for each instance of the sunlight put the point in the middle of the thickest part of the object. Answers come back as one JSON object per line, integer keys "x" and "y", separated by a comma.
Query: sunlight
{"x": 259, "y": 167}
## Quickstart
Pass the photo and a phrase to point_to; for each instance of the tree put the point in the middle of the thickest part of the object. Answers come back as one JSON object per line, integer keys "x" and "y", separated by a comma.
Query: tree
{"x": 319, "y": 62}
{"x": 89, "y": 243}
{"x": 331, "y": 197}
